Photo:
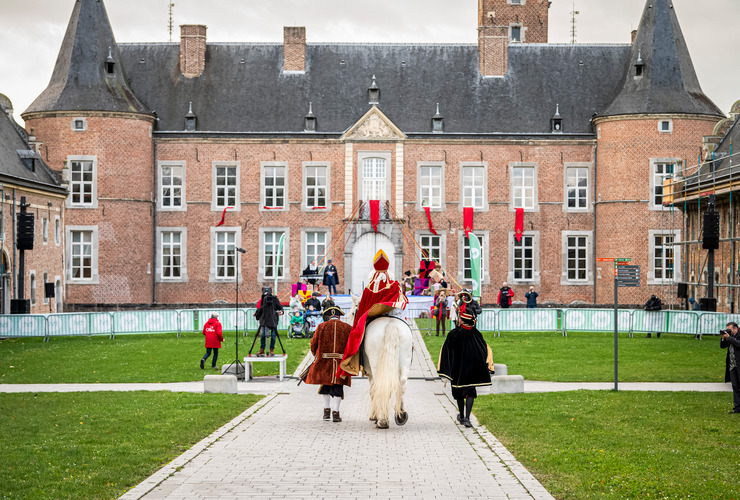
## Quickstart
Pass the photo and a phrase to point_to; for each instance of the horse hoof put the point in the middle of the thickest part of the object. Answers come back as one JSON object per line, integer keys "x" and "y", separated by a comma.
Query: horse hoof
{"x": 381, "y": 424}
{"x": 373, "y": 419}
{"x": 402, "y": 418}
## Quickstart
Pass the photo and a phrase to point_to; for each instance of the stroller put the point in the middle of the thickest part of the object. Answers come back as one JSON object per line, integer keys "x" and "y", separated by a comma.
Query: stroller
{"x": 311, "y": 321}
{"x": 296, "y": 327}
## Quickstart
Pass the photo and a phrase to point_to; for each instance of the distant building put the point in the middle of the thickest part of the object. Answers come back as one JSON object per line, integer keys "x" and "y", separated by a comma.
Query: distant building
{"x": 23, "y": 174}
{"x": 157, "y": 139}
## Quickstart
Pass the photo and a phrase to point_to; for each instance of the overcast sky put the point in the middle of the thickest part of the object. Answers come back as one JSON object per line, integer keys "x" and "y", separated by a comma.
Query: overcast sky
{"x": 32, "y": 30}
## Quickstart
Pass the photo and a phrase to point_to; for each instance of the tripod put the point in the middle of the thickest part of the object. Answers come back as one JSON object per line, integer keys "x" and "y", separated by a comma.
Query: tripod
{"x": 239, "y": 369}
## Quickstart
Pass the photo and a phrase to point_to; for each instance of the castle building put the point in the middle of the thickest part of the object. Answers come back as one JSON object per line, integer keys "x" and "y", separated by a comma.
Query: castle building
{"x": 159, "y": 140}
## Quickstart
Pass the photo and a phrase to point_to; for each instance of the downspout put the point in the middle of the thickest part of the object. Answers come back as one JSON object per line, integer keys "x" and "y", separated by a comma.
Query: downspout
{"x": 595, "y": 203}
{"x": 15, "y": 250}
{"x": 154, "y": 222}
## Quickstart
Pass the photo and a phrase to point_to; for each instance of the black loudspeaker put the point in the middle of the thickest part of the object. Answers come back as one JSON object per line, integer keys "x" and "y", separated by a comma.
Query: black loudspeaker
{"x": 683, "y": 291}
{"x": 20, "y": 306}
{"x": 49, "y": 290}
{"x": 24, "y": 235}
{"x": 708, "y": 304}
{"x": 710, "y": 240}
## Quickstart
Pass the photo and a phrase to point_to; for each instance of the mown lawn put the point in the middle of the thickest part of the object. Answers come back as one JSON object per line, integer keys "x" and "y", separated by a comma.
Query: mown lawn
{"x": 589, "y": 357}
{"x": 98, "y": 445}
{"x": 128, "y": 358}
{"x": 590, "y": 444}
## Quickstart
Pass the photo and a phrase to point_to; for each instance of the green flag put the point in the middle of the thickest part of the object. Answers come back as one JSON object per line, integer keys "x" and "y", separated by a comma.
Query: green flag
{"x": 475, "y": 263}
{"x": 278, "y": 258}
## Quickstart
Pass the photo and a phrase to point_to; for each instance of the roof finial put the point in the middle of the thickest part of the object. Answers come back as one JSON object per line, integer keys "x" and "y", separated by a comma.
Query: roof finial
{"x": 557, "y": 111}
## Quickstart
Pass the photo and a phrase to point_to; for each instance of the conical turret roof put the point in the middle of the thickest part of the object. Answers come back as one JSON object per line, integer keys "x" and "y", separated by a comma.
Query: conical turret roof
{"x": 88, "y": 75}
{"x": 661, "y": 77}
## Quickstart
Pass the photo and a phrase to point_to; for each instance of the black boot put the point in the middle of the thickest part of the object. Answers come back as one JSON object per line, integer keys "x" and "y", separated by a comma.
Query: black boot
{"x": 461, "y": 407}
{"x": 468, "y": 408}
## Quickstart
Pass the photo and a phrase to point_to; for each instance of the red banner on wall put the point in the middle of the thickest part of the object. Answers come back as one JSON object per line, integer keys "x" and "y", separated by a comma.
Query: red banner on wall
{"x": 519, "y": 224}
{"x": 467, "y": 220}
{"x": 429, "y": 219}
{"x": 374, "y": 213}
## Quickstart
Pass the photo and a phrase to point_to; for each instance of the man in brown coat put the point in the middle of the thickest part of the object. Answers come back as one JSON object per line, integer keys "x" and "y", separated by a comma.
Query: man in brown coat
{"x": 327, "y": 345}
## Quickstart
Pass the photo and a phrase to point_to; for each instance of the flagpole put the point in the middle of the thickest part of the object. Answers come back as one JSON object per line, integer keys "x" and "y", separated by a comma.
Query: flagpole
{"x": 278, "y": 254}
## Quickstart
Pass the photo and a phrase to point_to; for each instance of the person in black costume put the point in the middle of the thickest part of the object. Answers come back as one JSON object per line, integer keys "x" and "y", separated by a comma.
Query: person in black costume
{"x": 465, "y": 359}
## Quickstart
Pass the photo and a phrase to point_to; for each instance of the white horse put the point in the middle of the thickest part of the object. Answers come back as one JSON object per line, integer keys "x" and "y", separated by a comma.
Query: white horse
{"x": 386, "y": 355}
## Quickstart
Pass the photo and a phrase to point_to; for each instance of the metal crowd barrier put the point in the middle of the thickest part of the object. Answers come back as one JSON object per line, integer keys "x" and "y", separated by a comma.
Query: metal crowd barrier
{"x": 491, "y": 320}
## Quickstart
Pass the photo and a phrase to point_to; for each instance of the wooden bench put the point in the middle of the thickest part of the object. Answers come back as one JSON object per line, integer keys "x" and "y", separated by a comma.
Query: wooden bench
{"x": 250, "y": 360}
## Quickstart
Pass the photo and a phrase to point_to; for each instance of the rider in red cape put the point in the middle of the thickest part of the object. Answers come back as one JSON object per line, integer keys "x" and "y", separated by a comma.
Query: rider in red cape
{"x": 380, "y": 296}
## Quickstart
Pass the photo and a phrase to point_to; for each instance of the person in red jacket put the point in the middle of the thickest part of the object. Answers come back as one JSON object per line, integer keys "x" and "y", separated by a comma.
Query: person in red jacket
{"x": 214, "y": 337}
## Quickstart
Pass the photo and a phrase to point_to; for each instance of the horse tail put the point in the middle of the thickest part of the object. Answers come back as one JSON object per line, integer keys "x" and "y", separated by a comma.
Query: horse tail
{"x": 386, "y": 379}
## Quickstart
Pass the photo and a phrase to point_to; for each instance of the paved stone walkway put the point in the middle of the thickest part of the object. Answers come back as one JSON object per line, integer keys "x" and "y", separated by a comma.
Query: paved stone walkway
{"x": 281, "y": 448}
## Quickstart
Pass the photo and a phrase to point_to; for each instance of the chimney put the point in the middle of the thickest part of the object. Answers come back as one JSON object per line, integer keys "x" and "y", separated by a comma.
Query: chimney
{"x": 634, "y": 36}
{"x": 192, "y": 50}
{"x": 294, "y": 48}
{"x": 493, "y": 50}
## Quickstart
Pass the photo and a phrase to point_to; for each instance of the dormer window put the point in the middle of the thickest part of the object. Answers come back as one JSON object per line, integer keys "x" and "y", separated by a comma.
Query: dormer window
{"x": 373, "y": 93}
{"x": 110, "y": 64}
{"x": 310, "y": 120}
{"x": 28, "y": 157}
{"x": 639, "y": 65}
{"x": 556, "y": 123}
{"x": 190, "y": 120}
{"x": 437, "y": 122}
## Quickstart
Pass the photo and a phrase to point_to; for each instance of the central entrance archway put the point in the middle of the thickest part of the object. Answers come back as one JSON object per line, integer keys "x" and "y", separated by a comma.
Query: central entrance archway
{"x": 363, "y": 252}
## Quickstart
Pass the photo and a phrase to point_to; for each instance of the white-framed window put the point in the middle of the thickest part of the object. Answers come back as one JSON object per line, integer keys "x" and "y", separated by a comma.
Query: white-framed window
{"x": 172, "y": 186}
{"x": 79, "y": 124}
{"x": 463, "y": 256}
{"x": 43, "y": 286}
{"x": 274, "y": 186}
{"x": 516, "y": 33}
{"x": 45, "y": 230}
{"x": 374, "y": 175}
{"x": 314, "y": 242}
{"x": 431, "y": 185}
{"x": 82, "y": 251}
{"x": 83, "y": 182}
{"x": 524, "y": 258}
{"x": 577, "y": 193}
{"x": 58, "y": 294}
{"x": 316, "y": 187}
{"x": 524, "y": 186}
{"x": 272, "y": 264}
{"x": 172, "y": 265}
{"x": 665, "y": 126}
{"x": 474, "y": 186}
{"x": 665, "y": 257}
{"x": 32, "y": 281}
{"x": 660, "y": 169}
{"x": 431, "y": 246}
{"x": 577, "y": 254}
{"x": 226, "y": 186}
{"x": 57, "y": 230}
{"x": 516, "y": 2}
{"x": 224, "y": 257}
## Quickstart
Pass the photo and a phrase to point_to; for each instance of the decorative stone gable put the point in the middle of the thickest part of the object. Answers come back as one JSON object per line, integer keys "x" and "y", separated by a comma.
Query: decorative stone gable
{"x": 374, "y": 126}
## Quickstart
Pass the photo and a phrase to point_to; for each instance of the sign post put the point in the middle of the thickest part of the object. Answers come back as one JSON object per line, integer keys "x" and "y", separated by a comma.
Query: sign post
{"x": 624, "y": 275}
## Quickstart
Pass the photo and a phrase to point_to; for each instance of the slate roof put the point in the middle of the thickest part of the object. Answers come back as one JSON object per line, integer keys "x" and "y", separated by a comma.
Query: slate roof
{"x": 257, "y": 96}
{"x": 14, "y": 147}
{"x": 668, "y": 83}
{"x": 79, "y": 81}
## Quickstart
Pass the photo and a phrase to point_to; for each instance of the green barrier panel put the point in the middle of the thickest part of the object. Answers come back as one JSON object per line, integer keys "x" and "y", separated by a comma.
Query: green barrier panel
{"x": 595, "y": 320}
{"x": 67, "y": 324}
{"x": 27, "y": 325}
{"x": 527, "y": 320}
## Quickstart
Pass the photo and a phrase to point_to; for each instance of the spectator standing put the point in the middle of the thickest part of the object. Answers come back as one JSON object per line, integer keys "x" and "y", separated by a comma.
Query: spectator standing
{"x": 327, "y": 345}
{"x": 694, "y": 305}
{"x": 440, "y": 311}
{"x": 214, "y": 337}
{"x": 729, "y": 340}
{"x": 268, "y": 314}
{"x": 331, "y": 277}
{"x": 328, "y": 302}
{"x": 505, "y": 295}
{"x": 653, "y": 320}
{"x": 312, "y": 270}
{"x": 531, "y": 296}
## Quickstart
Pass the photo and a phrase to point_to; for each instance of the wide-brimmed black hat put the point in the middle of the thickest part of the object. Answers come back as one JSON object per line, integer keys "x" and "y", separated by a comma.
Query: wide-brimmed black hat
{"x": 332, "y": 311}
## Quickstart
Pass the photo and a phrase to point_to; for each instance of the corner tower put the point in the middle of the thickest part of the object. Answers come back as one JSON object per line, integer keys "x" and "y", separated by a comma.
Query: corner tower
{"x": 650, "y": 131}
{"x": 97, "y": 133}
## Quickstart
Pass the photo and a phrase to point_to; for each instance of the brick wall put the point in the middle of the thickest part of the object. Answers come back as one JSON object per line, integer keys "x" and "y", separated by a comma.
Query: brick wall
{"x": 192, "y": 50}
{"x": 122, "y": 148}
{"x": 294, "y": 48}
{"x": 624, "y": 219}
{"x": 532, "y": 15}
{"x": 493, "y": 50}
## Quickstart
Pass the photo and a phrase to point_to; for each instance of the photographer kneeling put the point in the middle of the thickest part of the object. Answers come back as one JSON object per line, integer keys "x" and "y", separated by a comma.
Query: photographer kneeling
{"x": 268, "y": 314}
{"x": 731, "y": 341}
